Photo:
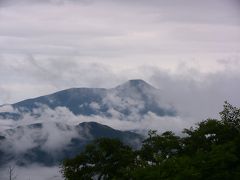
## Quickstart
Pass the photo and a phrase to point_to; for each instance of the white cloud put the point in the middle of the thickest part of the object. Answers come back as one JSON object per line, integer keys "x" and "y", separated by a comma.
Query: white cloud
{"x": 94, "y": 105}
{"x": 6, "y": 108}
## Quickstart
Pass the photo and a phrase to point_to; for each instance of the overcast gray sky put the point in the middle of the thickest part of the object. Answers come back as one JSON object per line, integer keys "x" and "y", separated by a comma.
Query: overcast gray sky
{"x": 187, "y": 48}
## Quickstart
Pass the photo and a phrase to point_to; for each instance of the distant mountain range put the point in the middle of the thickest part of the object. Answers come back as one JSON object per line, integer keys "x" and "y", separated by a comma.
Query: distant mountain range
{"x": 48, "y": 142}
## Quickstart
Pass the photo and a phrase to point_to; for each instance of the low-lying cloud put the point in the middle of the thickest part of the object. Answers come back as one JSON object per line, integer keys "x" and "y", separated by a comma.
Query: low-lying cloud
{"x": 57, "y": 130}
{"x": 134, "y": 121}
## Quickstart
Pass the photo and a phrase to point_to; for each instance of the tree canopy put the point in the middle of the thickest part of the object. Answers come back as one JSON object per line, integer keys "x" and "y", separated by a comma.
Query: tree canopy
{"x": 209, "y": 151}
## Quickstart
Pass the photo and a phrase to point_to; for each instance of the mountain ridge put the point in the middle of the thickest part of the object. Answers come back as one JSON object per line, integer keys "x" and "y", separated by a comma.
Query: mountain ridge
{"x": 38, "y": 149}
{"x": 125, "y": 99}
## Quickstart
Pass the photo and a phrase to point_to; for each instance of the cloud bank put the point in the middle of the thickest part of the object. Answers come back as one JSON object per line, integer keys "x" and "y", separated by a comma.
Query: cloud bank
{"x": 119, "y": 32}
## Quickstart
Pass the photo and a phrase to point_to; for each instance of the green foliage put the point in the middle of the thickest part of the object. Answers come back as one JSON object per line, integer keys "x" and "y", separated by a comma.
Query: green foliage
{"x": 209, "y": 151}
{"x": 104, "y": 159}
{"x": 231, "y": 116}
{"x": 157, "y": 148}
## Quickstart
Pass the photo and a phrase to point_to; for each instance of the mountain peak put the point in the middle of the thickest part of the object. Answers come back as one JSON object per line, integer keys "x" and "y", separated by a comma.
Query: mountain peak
{"x": 137, "y": 83}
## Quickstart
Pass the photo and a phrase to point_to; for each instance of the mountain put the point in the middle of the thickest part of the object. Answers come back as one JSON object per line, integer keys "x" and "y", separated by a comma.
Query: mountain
{"x": 134, "y": 96}
{"x": 49, "y": 143}
{"x": 45, "y": 129}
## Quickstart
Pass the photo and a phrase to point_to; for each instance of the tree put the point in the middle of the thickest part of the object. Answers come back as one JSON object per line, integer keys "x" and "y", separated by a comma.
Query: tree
{"x": 231, "y": 116}
{"x": 103, "y": 159}
{"x": 12, "y": 176}
{"x": 209, "y": 151}
{"x": 156, "y": 147}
